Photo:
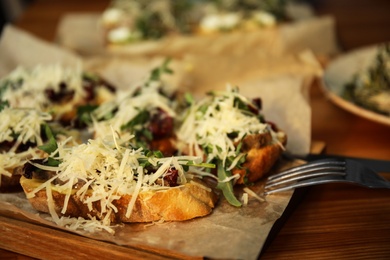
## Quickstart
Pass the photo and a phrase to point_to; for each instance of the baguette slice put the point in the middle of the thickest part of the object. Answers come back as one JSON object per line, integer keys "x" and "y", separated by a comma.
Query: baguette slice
{"x": 229, "y": 128}
{"x": 10, "y": 168}
{"x": 262, "y": 153}
{"x": 55, "y": 89}
{"x": 188, "y": 201}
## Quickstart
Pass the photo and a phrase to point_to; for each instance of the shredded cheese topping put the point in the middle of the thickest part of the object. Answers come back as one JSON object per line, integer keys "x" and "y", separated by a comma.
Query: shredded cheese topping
{"x": 11, "y": 160}
{"x": 26, "y": 87}
{"x": 220, "y": 21}
{"x": 106, "y": 168}
{"x": 103, "y": 170}
{"x": 210, "y": 123}
{"x": 253, "y": 194}
{"x": 112, "y": 16}
{"x": 128, "y": 105}
{"x": 126, "y": 21}
{"x": 264, "y": 18}
{"x": 22, "y": 125}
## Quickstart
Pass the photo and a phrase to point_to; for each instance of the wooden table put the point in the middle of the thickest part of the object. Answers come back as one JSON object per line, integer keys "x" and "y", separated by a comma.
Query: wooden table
{"x": 332, "y": 221}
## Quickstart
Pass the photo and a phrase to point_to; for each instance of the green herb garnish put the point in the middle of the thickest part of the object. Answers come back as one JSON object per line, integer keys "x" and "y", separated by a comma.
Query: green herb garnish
{"x": 226, "y": 186}
{"x": 84, "y": 114}
{"x": 50, "y": 147}
{"x": 156, "y": 73}
{"x": 3, "y": 104}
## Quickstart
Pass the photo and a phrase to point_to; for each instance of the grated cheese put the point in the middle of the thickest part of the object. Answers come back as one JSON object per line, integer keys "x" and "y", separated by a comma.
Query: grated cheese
{"x": 228, "y": 179}
{"x": 27, "y": 88}
{"x": 120, "y": 34}
{"x": 21, "y": 126}
{"x": 128, "y": 106}
{"x": 245, "y": 198}
{"x": 112, "y": 16}
{"x": 220, "y": 21}
{"x": 253, "y": 194}
{"x": 50, "y": 202}
{"x": 211, "y": 128}
{"x": 228, "y": 21}
{"x": 264, "y": 18}
{"x": 11, "y": 160}
{"x": 89, "y": 225}
{"x": 106, "y": 169}
{"x": 135, "y": 193}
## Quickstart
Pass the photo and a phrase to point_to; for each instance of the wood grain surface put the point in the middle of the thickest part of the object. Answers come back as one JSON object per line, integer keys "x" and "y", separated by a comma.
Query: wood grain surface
{"x": 332, "y": 221}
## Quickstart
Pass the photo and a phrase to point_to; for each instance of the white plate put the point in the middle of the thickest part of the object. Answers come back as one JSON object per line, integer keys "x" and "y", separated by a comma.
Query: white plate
{"x": 340, "y": 71}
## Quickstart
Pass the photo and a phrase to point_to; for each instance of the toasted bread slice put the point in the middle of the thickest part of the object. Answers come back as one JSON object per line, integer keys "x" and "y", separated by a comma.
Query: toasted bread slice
{"x": 188, "y": 201}
{"x": 262, "y": 153}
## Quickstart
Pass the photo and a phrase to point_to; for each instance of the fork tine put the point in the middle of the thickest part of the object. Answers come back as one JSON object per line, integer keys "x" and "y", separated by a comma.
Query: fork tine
{"x": 297, "y": 175}
{"x": 325, "y": 171}
{"x": 302, "y": 176}
{"x": 323, "y": 165}
{"x": 308, "y": 182}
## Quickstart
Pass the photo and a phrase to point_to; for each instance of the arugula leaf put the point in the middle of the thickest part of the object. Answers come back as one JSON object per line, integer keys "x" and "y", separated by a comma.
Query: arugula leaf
{"x": 141, "y": 118}
{"x": 204, "y": 165}
{"x": 3, "y": 104}
{"x": 208, "y": 166}
{"x": 158, "y": 154}
{"x": 147, "y": 134}
{"x": 50, "y": 147}
{"x": 156, "y": 73}
{"x": 189, "y": 98}
{"x": 154, "y": 153}
{"x": 3, "y": 87}
{"x": 52, "y": 162}
{"x": 91, "y": 76}
{"x": 84, "y": 113}
{"x": 226, "y": 187}
{"x": 51, "y": 144}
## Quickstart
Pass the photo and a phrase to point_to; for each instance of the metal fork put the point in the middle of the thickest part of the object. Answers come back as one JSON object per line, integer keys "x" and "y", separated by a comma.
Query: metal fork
{"x": 325, "y": 171}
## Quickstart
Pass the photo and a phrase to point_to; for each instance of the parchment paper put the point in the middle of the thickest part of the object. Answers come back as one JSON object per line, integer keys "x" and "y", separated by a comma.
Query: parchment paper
{"x": 228, "y": 232}
{"x": 21, "y": 48}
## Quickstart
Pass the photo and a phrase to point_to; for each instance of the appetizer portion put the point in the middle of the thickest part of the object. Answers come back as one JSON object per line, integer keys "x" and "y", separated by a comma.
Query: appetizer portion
{"x": 108, "y": 181}
{"x": 127, "y": 21}
{"x": 147, "y": 111}
{"x": 370, "y": 88}
{"x": 21, "y": 128}
{"x": 229, "y": 130}
{"x": 21, "y": 132}
{"x": 55, "y": 89}
{"x": 10, "y": 164}
{"x": 151, "y": 155}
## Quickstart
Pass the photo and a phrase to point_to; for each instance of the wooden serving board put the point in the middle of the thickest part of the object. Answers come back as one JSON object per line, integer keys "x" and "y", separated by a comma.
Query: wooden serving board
{"x": 26, "y": 238}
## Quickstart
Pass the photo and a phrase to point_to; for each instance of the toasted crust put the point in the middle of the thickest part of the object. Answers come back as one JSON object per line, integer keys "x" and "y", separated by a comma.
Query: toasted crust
{"x": 185, "y": 202}
{"x": 262, "y": 154}
{"x": 12, "y": 183}
{"x": 165, "y": 145}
